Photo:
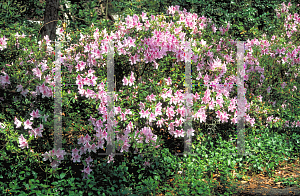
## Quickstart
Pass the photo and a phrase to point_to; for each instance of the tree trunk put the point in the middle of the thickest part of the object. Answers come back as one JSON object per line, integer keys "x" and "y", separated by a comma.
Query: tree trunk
{"x": 50, "y": 19}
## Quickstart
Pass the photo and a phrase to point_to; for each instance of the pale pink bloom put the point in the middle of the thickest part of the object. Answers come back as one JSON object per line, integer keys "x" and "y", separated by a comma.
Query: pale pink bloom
{"x": 123, "y": 116}
{"x": 260, "y": 98}
{"x": 60, "y": 154}
{"x": 74, "y": 151}
{"x": 27, "y": 124}
{"x": 127, "y": 111}
{"x": 47, "y": 156}
{"x": 169, "y": 81}
{"x": 100, "y": 143}
{"x": 93, "y": 147}
{"x": 110, "y": 158}
{"x": 80, "y": 66}
{"x": 24, "y": 93}
{"x": 144, "y": 17}
{"x": 35, "y": 114}
{"x": 37, "y": 72}
{"x": 152, "y": 117}
{"x": 54, "y": 164}
{"x": 17, "y": 123}
{"x": 82, "y": 91}
{"x": 88, "y": 160}
{"x": 179, "y": 133}
{"x": 269, "y": 89}
{"x": 87, "y": 138}
{"x": 298, "y": 123}
{"x": 87, "y": 170}
{"x": 190, "y": 132}
{"x": 19, "y": 88}
{"x": 22, "y": 142}
{"x": 87, "y": 146}
{"x": 125, "y": 81}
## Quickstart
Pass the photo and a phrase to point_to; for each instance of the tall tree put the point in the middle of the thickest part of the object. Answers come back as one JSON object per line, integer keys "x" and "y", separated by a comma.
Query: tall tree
{"x": 50, "y": 19}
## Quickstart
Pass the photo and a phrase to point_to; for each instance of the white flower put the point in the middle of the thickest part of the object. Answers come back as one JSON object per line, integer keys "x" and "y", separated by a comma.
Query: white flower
{"x": 2, "y": 126}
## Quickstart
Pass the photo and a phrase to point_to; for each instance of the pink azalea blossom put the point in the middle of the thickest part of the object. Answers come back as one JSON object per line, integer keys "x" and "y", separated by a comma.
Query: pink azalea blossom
{"x": 35, "y": 114}
{"x": 27, "y": 124}
{"x": 22, "y": 142}
{"x": 17, "y": 123}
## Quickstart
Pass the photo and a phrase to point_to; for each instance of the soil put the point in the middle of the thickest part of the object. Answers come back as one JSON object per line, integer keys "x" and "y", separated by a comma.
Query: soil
{"x": 264, "y": 185}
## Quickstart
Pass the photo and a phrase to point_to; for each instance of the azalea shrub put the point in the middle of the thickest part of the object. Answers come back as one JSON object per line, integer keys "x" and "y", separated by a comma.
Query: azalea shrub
{"x": 152, "y": 109}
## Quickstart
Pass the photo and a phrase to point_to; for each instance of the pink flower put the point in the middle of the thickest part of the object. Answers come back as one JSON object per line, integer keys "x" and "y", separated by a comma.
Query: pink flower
{"x": 298, "y": 123}
{"x": 110, "y": 158}
{"x": 46, "y": 156}
{"x": 54, "y": 164}
{"x": 27, "y": 124}
{"x": 152, "y": 117}
{"x": 35, "y": 114}
{"x": 125, "y": 81}
{"x": 22, "y": 142}
{"x": 19, "y": 88}
{"x": 37, "y": 132}
{"x": 80, "y": 66}
{"x": 17, "y": 123}
{"x": 93, "y": 148}
{"x": 37, "y": 72}
{"x": 190, "y": 132}
{"x": 60, "y": 154}
{"x": 88, "y": 160}
{"x": 87, "y": 170}
{"x": 169, "y": 81}
{"x": 144, "y": 17}
{"x": 75, "y": 151}
{"x": 76, "y": 158}
{"x": 179, "y": 133}
{"x": 87, "y": 147}
{"x": 24, "y": 92}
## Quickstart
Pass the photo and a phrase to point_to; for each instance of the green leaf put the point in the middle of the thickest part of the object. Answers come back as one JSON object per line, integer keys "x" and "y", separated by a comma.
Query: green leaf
{"x": 62, "y": 175}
